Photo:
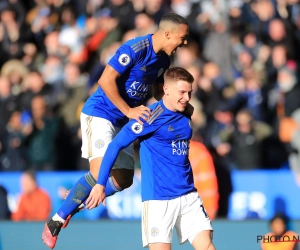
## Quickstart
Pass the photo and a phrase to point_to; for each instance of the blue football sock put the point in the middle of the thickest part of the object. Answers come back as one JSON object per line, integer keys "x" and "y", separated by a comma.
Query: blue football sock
{"x": 79, "y": 193}
{"x": 111, "y": 188}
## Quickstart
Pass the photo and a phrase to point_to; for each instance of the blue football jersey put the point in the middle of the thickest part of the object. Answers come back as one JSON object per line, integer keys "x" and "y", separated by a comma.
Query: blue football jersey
{"x": 139, "y": 67}
{"x": 164, "y": 141}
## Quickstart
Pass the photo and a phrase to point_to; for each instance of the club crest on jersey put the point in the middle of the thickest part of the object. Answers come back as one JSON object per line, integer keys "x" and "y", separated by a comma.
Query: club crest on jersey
{"x": 137, "y": 128}
{"x": 160, "y": 72}
{"x": 124, "y": 59}
{"x": 154, "y": 231}
{"x": 99, "y": 143}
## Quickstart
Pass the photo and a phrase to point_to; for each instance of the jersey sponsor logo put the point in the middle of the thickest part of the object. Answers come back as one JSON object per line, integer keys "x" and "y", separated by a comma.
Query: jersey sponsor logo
{"x": 160, "y": 72}
{"x": 143, "y": 68}
{"x": 154, "y": 231}
{"x": 137, "y": 128}
{"x": 99, "y": 144}
{"x": 180, "y": 147}
{"x": 124, "y": 59}
{"x": 138, "y": 89}
{"x": 170, "y": 128}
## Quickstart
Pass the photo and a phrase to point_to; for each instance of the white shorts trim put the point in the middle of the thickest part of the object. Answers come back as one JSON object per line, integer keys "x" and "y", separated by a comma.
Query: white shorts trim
{"x": 97, "y": 133}
{"x": 185, "y": 213}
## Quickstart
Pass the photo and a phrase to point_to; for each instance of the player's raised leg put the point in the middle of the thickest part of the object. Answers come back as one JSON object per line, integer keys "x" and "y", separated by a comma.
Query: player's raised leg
{"x": 93, "y": 148}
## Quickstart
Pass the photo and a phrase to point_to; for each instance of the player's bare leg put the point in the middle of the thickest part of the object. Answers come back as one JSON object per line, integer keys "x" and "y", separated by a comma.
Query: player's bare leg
{"x": 203, "y": 241}
{"x": 160, "y": 246}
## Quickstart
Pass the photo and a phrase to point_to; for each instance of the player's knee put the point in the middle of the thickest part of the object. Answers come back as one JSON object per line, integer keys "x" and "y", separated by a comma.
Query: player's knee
{"x": 203, "y": 241}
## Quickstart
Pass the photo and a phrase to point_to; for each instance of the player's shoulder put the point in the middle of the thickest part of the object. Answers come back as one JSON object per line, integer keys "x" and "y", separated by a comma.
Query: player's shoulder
{"x": 138, "y": 44}
{"x": 154, "y": 105}
{"x": 139, "y": 41}
{"x": 157, "y": 110}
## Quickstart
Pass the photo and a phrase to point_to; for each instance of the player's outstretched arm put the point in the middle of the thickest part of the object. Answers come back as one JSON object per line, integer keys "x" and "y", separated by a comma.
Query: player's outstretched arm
{"x": 128, "y": 134}
{"x": 108, "y": 84}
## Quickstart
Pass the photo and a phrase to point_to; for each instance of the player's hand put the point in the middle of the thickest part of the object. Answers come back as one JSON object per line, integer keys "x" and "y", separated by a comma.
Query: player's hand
{"x": 96, "y": 196}
{"x": 139, "y": 112}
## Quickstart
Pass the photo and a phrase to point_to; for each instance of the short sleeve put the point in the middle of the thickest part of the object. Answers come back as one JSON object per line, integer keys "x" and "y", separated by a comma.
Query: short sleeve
{"x": 123, "y": 60}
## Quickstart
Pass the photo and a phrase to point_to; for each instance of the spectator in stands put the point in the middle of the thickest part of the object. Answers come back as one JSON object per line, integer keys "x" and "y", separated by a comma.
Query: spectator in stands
{"x": 156, "y": 9}
{"x": 15, "y": 71}
{"x": 41, "y": 137}
{"x": 12, "y": 36}
{"x": 288, "y": 112}
{"x": 277, "y": 60}
{"x": 144, "y": 24}
{"x": 4, "y": 210}
{"x": 8, "y": 103}
{"x": 13, "y": 158}
{"x": 278, "y": 35}
{"x": 249, "y": 96}
{"x": 73, "y": 94}
{"x": 42, "y": 21}
{"x": 245, "y": 141}
{"x": 205, "y": 178}
{"x": 125, "y": 13}
{"x": 34, "y": 203}
{"x": 35, "y": 85}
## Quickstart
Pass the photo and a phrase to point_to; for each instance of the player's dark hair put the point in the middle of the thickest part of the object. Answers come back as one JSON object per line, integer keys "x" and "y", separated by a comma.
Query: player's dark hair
{"x": 174, "y": 18}
{"x": 177, "y": 74}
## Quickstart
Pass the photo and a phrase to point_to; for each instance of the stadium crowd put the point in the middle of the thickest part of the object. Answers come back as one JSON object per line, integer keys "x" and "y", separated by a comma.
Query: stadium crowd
{"x": 242, "y": 53}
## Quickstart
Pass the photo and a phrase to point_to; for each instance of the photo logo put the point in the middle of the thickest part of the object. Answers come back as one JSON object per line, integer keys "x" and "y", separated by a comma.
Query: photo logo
{"x": 274, "y": 238}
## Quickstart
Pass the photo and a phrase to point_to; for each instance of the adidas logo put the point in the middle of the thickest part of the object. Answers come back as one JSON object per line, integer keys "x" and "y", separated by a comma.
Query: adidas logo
{"x": 143, "y": 68}
{"x": 170, "y": 128}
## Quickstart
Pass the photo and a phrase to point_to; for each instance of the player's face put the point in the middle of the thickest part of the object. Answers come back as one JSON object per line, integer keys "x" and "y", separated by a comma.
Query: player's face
{"x": 177, "y": 38}
{"x": 179, "y": 95}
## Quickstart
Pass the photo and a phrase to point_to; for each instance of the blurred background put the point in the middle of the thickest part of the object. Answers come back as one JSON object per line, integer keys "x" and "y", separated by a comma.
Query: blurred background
{"x": 245, "y": 152}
